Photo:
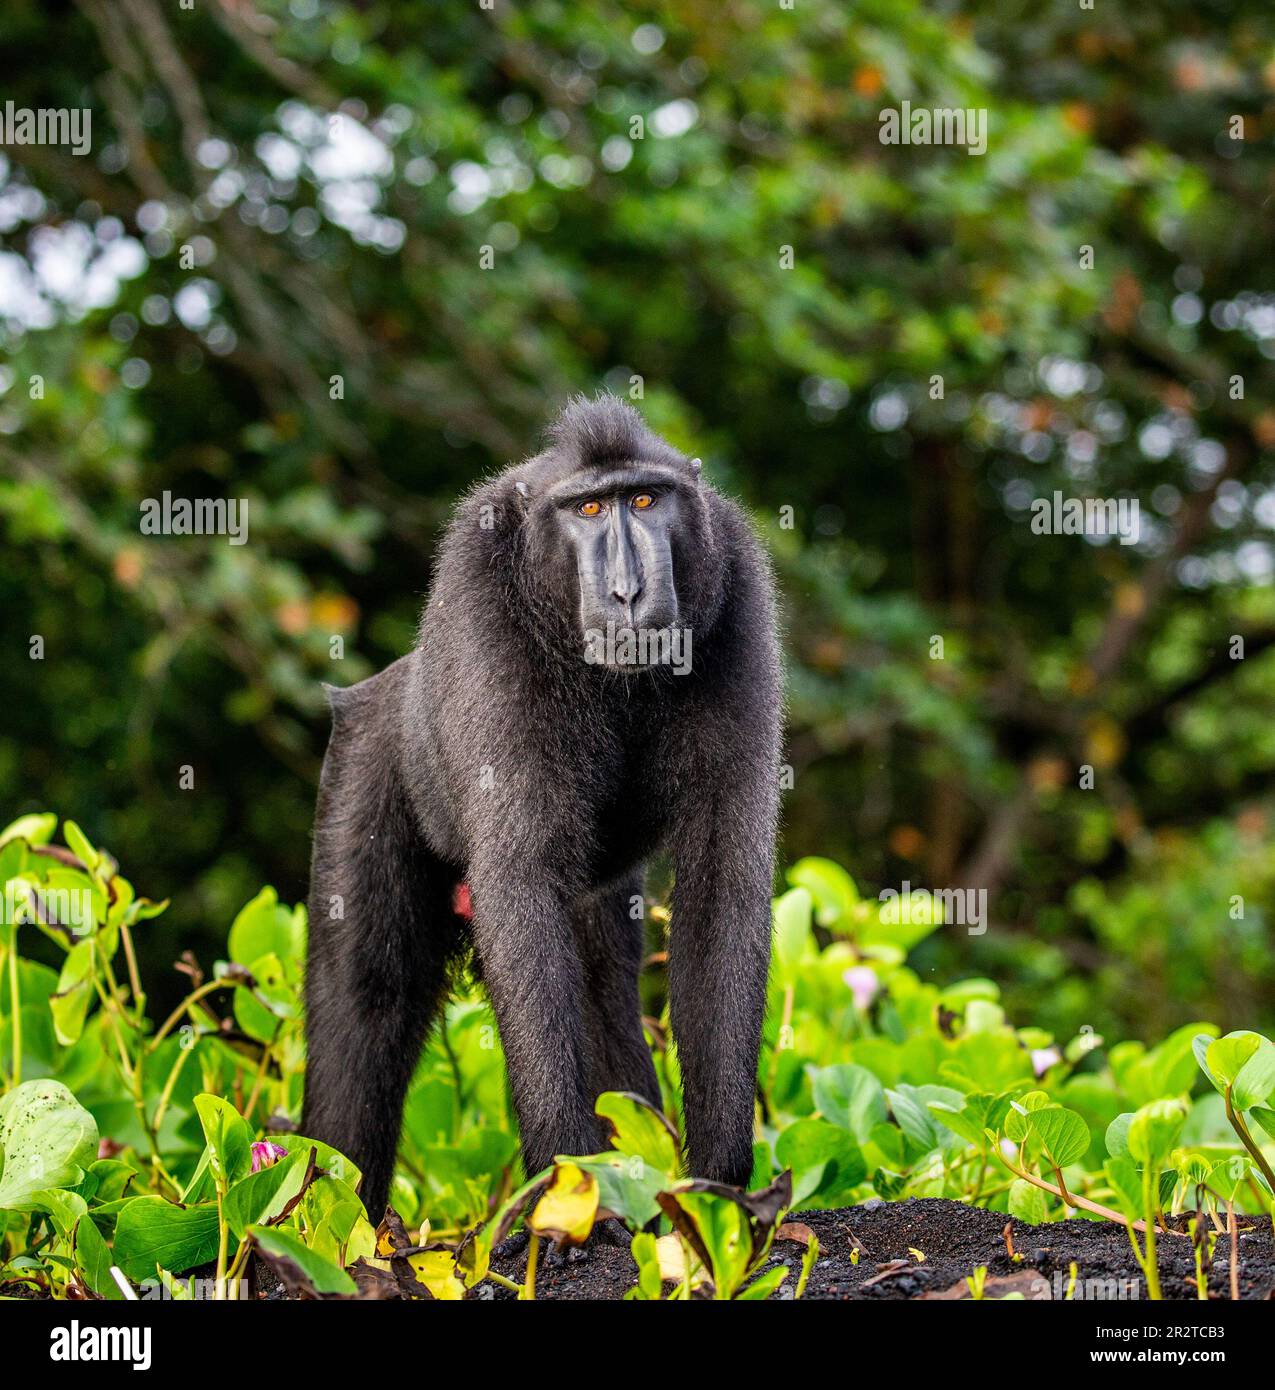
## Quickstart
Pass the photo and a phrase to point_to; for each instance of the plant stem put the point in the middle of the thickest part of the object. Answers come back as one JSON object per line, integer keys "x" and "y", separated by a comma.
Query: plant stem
{"x": 785, "y": 1023}
{"x": 1234, "y": 1228}
{"x": 457, "y": 1083}
{"x": 237, "y": 1266}
{"x": 166, "y": 1094}
{"x": 110, "y": 1010}
{"x": 134, "y": 978}
{"x": 1151, "y": 1267}
{"x": 223, "y": 1232}
{"x": 503, "y": 1282}
{"x": 192, "y": 998}
{"x": 15, "y": 1013}
{"x": 1070, "y": 1198}
{"x": 1238, "y": 1125}
{"x": 533, "y": 1253}
{"x": 261, "y": 1073}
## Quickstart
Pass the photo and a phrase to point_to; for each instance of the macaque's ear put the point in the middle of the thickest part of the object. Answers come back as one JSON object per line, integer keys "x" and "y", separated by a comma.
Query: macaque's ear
{"x": 696, "y": 466}
{"x": 524, "y": 496}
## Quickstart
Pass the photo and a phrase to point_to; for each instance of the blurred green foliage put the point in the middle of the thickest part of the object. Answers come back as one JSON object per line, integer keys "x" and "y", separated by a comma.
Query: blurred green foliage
{"x": 280, "y": 195}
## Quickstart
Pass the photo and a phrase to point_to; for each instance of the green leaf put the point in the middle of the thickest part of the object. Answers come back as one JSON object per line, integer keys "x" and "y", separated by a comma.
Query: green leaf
{"x": 982, "y": 1016}
{"x": 910, "y": 1106}
{"x": 1027, "y": 1202}
{"x": 272, "y": 999}
{"x": 1018, "y": 1116}
{"x": 93, "y": 1259}
{"x": 229, "y": 1140}
{"x": 299, "y": 1263}
{"x": 47, "y": 1139}
{"x": 722, "y": 1227}
{"x": 1117, "y": 1137}
{"x": 151, "y": 1231}
{"x": 639, "y": 1130}
{"x": 1063, "y": 1134}
{"x": 793, "y": 937}
{"x": 70, "y": 1004}
{"x": 1244, "y": 1063}
{"x": 832, "y": 889}
{"x": 627, "y": 1185}
{"x": 763, "y": 1286}
{"x": 1200, "y": 1045}
{"x": 64, "y": 1206}
{"x": 988, "y": 1062}
{"x": 1265, "y": 1118}
{"x": 1228, "y": 1175}
{"x": 646, "y": 1257}
{"x": 850, "y": 1096}
{"x": 1167, "y": 1070}
{"x": 334, "y": 1217}
{"x": 36, "y": 829}
{"x": 1225, "y": 1057}
{"x": 329, "y": 1159}
{"x": 1126, "y": 1183}
{"x": 80, "y": 845}
{"x": 963, "y": 1122}
{"x": 981, "y": 1112}
{"x": 1154, "y": 1131}
{"x": 956, "y": 998}
{"x": 264, "y": 927}
{"x": 112, "y": 1176}
{"x": 260, "y": 1197}
{"x": 901, "y": 920}
{"x": 823, "y": 1157}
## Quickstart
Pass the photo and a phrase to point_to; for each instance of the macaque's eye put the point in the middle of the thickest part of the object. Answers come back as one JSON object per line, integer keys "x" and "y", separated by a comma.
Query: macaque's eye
{"x": 643, "y": 500}
{"x": 590, "y": 509}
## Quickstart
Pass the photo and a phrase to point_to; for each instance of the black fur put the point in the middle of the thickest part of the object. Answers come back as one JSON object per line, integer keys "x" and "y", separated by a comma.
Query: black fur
{"x": 494, "y": 755}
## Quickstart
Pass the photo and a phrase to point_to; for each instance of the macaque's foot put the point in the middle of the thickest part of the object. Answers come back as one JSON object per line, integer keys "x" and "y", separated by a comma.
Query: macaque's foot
{"x": 511, "y": 1246}
{"x": 559, "y": 1255}
{"x": 611, "y": 1232}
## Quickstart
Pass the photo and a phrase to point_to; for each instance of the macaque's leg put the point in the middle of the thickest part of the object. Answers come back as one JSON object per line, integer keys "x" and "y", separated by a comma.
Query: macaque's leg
{"x": 612, "y": 942}
{"x": 532, "y": 971}
{"x": 381, "y": 933}
{"x": 719, "y": 955}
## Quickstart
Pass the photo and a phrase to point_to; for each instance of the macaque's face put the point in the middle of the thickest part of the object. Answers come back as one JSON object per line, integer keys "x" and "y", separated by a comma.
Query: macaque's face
{"x": 622, "y": 529}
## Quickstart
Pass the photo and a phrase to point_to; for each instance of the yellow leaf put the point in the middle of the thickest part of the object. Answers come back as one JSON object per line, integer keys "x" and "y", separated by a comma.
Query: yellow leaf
{"x": 671, "y": 1254}
{"x": 436, "y": 1269}
{"x": 569, "y": 1206}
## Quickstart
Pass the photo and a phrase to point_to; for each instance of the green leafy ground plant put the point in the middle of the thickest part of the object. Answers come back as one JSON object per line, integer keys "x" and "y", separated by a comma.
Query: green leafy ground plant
{"x": 137, "y": 1156}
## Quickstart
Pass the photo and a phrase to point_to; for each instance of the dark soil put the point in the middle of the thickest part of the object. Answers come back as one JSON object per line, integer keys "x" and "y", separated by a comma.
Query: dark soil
{"x": 927, "y": 1248}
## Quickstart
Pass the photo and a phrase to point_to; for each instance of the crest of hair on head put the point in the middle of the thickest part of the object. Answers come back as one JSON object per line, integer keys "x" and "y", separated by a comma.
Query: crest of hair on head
{"x": 606, "y": 431}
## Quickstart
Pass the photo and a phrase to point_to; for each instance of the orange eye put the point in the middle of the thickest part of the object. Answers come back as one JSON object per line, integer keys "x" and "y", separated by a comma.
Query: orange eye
{"x": 643, "y": 500}
{"x": 590, "y": 509}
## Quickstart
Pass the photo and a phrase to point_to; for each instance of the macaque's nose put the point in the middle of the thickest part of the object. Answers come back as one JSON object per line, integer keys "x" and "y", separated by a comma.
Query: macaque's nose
{"x": 627, "y": 593}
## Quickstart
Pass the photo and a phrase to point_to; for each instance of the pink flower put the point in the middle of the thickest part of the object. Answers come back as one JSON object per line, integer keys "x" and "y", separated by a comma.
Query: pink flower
{"x": 1043, "y": 1058}
{"x": 863, "y": 983}
{"x": 264, "y": 1154}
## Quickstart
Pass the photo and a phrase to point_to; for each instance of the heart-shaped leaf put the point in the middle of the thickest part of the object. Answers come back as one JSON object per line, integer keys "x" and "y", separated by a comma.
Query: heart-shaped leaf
{"x": 47, "y": 1140}
{"x": 1063, "y": 1134}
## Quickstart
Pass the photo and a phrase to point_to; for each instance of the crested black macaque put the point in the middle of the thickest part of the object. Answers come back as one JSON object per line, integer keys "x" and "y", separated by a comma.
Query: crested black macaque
{"x": 596, "y": 678}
